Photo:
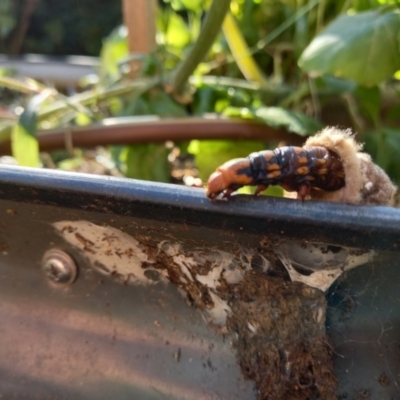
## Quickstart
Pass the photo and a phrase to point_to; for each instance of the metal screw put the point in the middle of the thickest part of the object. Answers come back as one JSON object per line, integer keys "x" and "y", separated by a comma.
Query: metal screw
{"x": 59, "y": 267}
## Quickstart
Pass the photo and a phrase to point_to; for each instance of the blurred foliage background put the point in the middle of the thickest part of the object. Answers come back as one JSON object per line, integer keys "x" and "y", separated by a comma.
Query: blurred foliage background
{"x": 52, "y": 27}
{"x": 292, "y": 64}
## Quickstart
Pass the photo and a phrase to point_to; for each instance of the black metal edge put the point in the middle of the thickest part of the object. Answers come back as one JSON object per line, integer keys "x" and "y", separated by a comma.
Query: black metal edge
{"x": 338, "y": 224}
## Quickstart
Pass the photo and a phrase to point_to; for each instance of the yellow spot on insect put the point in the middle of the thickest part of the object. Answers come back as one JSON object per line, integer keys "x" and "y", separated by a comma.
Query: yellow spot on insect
{"x": 274, "y": 174}
{"x": 322, "y": 171}
{"x": 321, "y": 162}
{"x": 302, "y": 160}
{"x": 242, "y": 179}
{"x": 273, "y": 167}
{"x": 303, "y": 170}
{"x": 310, "y": 178}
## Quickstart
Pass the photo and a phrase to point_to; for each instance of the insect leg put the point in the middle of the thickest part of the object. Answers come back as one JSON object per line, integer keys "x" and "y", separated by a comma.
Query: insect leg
{"x": 227, "y": 193}
{"x": 260, "y": 188}
{"x": 304, "y": 191}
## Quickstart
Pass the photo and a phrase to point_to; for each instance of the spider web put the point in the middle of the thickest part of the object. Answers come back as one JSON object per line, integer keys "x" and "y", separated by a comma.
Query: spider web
{"x": 363, "y": 323}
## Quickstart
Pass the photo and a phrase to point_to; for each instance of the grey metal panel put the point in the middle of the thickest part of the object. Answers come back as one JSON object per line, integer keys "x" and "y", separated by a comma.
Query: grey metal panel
{"x": 58, "y": 70}
{"x": 364, "y": 326}
{"x": 98, "y": 339}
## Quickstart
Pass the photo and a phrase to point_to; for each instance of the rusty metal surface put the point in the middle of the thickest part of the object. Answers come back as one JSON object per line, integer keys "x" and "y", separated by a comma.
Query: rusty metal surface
{"x": 99, "y": 338}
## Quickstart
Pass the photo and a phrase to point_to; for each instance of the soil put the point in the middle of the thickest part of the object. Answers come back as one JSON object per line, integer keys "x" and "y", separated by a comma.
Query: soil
{"x": 282, "y": 344}
{"x": 279, "y": 331}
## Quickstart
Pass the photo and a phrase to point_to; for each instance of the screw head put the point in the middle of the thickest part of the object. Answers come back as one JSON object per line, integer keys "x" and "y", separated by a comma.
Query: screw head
{"x": 59, "y": 267}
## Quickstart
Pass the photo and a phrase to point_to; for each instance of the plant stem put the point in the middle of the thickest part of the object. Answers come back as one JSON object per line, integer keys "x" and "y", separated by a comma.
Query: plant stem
{"x": 76, "y": 102}
{"x": 211, "y": 27}
{"x": 96, "y": 94}
{"x": 302, "y": 91}
{"x": 285, "y": 25}
{"x": 29, "y": 9}
{"x": 241, "y": 52}
{"x": 320, "y": 16}
{"x": 352, "y": 106}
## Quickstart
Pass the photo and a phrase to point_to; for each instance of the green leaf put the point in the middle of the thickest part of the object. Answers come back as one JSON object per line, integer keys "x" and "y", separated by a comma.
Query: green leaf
{"x": 292, "y": 121}
{"x": 193, "y": 5}
{"x": 278, "y": 117}
{"x": 276, "y": 191}
{"x": 71, "y": 164}
{"x": 24, "y": 145}
{"x": 115, "y": 49}
{"x": 163, "y": 105}
{"x": 82, "y": 119}
{"x": 335, "y": 85}
{"x": 177, "y": 34}
{"x": 7, "y": 19}
{"x": 301, "y": 34}
{"x": 370, "y": 101}
{"x": 5, "y": 132}
{"x": 363, "y": 47}
{"x": 147, "y": 161}
{"x": 204, "y": 100}
{"x": 21, "y": 86}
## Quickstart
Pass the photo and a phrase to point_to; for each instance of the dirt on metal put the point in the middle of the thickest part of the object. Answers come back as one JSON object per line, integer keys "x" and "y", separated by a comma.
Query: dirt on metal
{"x": 281, "y": 339}
{"x": 278, "y": 329}
{"x": 277, "y": 326}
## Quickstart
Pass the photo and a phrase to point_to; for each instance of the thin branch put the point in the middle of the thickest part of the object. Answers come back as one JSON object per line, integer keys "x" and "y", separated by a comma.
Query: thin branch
{"x": 352, "y": 106}
{"x": 320, "y": 16}
{"x": 18, "y": 39}
{"x": 209, "y": 31}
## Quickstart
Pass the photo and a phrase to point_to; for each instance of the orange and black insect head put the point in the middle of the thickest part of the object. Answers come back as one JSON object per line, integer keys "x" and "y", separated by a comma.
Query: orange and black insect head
{"x": 229, "y": 177}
